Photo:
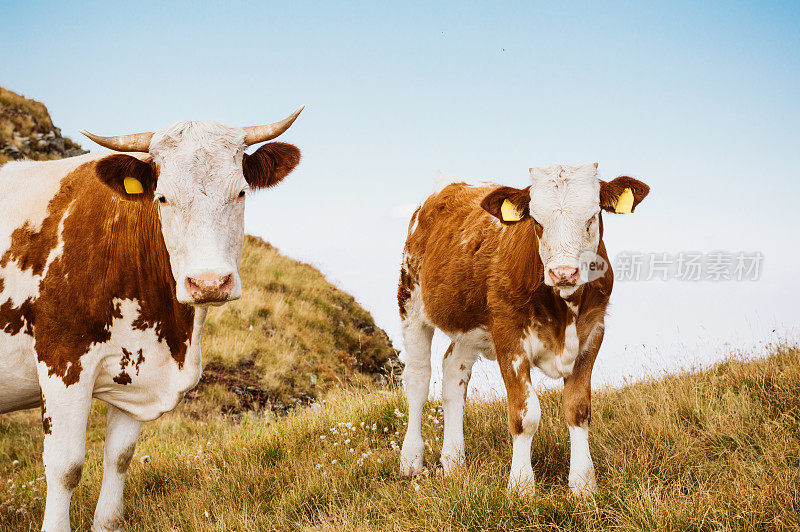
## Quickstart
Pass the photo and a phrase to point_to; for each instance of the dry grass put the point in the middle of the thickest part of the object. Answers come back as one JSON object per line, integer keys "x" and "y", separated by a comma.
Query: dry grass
{"x": 712, "y": 450}
{"x": 293, "y": 333}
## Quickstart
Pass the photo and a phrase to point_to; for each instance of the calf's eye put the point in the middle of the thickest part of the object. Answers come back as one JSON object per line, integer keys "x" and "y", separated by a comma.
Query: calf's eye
{"x": 162, "y": 200}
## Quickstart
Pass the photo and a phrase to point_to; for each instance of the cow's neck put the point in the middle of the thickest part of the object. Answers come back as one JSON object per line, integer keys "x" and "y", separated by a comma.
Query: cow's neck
{"x": 571, "y": 298}
{"x": 136, "y": 247}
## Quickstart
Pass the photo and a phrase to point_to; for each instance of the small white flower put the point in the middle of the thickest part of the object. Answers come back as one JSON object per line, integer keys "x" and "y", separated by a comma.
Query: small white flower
{"x": 145, "y": 459}
{"x": 15, "y": 463}
{"x": 334, "y": 461}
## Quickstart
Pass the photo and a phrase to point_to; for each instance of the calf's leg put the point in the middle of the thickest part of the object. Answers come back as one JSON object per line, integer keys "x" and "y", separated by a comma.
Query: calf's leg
{"x": 524, "y": 413}
{"x": 417, "y": 337}
{"x": 577, "y": 403}
{"x": 122, "y": 431}
{"x": 456, "y": 371}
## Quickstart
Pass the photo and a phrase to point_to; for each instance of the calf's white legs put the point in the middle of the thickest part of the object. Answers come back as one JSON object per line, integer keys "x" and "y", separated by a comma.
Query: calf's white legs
{"x": 456, "y": 372}
{"x": 581, "y": 467}
{"x": 521, "y": 477}
{"x": 122, "y": 432}
{"x": 417, "y": 337}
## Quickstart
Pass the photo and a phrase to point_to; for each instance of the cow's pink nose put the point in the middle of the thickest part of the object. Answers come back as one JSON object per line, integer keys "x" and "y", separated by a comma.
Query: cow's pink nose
{"x": 209, "y": 287}
{"x": 562, "y": 275}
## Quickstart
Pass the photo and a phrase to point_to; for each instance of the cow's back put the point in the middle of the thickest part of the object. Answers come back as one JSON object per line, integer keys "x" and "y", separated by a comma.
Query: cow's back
{"x": 448, "y": 255}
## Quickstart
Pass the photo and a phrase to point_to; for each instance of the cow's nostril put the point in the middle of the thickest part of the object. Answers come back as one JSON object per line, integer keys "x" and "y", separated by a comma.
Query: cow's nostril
{"x": 209, "y": 287}
{"x": 564, "y": 275}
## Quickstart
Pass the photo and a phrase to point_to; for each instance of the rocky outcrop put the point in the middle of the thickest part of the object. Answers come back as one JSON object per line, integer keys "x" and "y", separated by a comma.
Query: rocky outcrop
{"x": 27, "y": 131}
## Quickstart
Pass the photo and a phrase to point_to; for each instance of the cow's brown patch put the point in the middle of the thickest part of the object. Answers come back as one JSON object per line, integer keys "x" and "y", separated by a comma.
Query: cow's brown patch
{"x": 124, "y": 459}
{"x": 15, "y": 319}
{"x": 113, "y": 250}
{"x": 72, "y": 477}
{"x": 47, "y": 427}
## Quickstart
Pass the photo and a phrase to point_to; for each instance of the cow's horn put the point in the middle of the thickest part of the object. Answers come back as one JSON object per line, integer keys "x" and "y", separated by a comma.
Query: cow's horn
{"x": 256, "y": 134}
{"x": 135, "y": 142}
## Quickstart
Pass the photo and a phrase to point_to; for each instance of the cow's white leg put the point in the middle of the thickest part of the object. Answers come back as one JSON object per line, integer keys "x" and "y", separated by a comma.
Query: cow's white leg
{"x": 581, "y": 468}
{"x": 65, "y": 414}
{"x": 122, "y": 431}
{"x": 524, "y": 413}
{"x": 417, "y": 337}
{"x": 456, "y": 372}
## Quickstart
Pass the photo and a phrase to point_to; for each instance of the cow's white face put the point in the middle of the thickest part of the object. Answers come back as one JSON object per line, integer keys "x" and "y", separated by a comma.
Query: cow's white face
{"x": 565, "y": 202}
{"x": 200, "y": 193}
{"x": 198, "y": 177}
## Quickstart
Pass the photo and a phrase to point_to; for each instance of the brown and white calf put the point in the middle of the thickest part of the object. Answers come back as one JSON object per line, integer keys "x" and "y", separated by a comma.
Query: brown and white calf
{"x": 108, "y": 263}
{"x": 520, "y": 275}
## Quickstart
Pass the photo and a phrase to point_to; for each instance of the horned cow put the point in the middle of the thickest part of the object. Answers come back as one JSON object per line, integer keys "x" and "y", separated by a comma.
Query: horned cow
{"x": 520, "y": 276}
{"x": 108, "y": 263}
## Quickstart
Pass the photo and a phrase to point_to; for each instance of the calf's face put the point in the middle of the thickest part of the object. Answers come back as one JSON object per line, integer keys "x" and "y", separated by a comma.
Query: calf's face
{"x": 565, "y": 203}
{"x": 198, "y": 177}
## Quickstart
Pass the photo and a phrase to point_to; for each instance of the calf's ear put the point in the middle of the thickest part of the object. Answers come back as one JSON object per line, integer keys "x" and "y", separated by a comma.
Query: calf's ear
{"x": 622, "y": 195}
{"x": 269, "y": 164}
{"x": 507, "y": 204}
{"x": 130, "y": 177}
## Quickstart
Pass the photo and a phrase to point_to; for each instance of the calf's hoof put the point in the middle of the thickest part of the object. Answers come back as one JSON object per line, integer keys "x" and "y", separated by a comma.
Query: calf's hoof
{"x": 523, "y": 484}
{"x": 583, "y": 484}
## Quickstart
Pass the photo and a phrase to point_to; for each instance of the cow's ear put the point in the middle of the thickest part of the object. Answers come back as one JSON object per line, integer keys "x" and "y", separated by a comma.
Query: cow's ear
{"x": 507, "y": 204}
{"x": 131, "y": 178}
{"x": 270, "y": 164}
{"x": 622, "y": 195}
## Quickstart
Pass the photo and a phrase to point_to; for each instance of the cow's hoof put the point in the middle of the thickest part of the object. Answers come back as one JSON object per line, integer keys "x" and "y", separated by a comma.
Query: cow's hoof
{"x": 411, "y": 460}
{"x": 523, "y": 485}
{"x": 583, "y": 484}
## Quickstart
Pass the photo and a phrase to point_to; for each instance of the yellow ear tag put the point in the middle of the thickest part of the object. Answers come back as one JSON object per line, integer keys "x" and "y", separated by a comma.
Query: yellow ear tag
{"x": 509, "y": 212}
{"x": 133, "y": 185}
{"x": 625, "y": 202}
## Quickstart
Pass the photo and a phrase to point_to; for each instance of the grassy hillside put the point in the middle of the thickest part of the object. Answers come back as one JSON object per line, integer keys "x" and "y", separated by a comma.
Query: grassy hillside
{"x": 290, "y": 339}
{"x": 712, "y": 450}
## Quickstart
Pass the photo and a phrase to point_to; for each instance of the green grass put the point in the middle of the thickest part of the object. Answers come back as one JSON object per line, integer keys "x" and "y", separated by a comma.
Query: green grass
{"x": 710, "y": 450}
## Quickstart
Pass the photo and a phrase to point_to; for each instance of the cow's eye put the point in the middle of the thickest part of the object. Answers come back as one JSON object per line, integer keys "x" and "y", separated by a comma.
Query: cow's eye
{"x": 241, "y": 194}
{"x": 161, "y": 199}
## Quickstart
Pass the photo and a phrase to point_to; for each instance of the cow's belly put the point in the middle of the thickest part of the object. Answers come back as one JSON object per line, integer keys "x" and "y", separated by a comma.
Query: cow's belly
{"x": 478, "y": 339}
{"x": 557, "y": 365}
{"x": 19, "y": 385}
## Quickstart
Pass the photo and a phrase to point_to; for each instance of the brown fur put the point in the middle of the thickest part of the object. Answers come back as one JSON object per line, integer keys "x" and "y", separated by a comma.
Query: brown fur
{"x": 72, "y": 477}
{"x": 476, "y": 272}
{"x": 270, "y": 164}
{"x": 112, "y": 249}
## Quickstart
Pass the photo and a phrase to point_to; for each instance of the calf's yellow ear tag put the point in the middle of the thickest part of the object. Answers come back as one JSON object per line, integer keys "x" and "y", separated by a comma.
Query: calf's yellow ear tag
{"x": 509, "y": 212}
{"x": 133, "y": 185}
{"x": 625, "y": 202}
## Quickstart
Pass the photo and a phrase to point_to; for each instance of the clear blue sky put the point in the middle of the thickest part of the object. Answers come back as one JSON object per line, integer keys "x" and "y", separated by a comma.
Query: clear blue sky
{"x": 701, "y": 100}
